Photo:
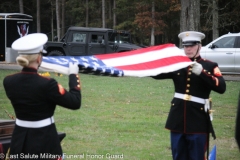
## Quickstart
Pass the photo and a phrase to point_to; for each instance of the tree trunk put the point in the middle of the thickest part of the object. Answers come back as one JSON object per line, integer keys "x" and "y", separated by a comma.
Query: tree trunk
{"x": 52, "y": 27}
{"x": 215, "y": 30}
{"x": 38, "y": 17}
{"x": 114, "y": 14}
{"x": 63, "y": 18}
{"x": 21, "y": 6}
{"x": 110, "y": 10}
{"x": 103, "y": 14}
{"x": 152, "y": 31}
{"x": 87, "y": 14}
{"x": 190, "y": 15}
{"x": 58, "y": 19}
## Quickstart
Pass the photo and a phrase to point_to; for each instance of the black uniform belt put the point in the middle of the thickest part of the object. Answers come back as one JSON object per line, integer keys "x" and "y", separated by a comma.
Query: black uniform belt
{"x": 35, "y": 124}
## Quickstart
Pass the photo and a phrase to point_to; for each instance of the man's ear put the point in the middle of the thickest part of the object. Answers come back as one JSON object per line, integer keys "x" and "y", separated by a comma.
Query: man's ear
{"x": 39, "y": 59}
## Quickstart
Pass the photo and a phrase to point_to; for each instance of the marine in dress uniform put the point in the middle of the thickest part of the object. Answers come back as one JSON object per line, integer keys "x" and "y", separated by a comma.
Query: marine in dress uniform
{"x": 237, "y": 127}
{"x": 34, "y": 99}
{"x": 188, "y": 120}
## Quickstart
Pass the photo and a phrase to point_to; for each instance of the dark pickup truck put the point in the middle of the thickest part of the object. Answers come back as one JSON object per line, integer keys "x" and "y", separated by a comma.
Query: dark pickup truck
{"x": 83, "y": 41}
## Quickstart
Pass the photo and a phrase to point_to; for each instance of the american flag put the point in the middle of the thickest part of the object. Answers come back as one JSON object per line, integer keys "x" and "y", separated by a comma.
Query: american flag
{"x": 142, "y": 62}
{"x": 213, "y": 153}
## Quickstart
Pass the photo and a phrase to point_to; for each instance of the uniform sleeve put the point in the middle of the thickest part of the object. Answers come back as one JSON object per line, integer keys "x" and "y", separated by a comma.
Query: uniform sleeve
{"x": 214, "y": 79}
{"x": 69, "y": 99}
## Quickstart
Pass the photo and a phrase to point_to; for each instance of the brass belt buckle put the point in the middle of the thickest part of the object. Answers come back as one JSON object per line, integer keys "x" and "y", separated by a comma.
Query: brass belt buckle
{"x": 187, "y": 97}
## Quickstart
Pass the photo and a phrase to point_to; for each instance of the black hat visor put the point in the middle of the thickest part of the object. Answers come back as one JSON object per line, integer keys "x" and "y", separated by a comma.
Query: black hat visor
{"x": 190, "y": 43}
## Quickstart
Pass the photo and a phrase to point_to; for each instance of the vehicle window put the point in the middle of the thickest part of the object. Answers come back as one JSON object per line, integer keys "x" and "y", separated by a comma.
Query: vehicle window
{"x": 112, "y": 37}
{"x": 124, "y": 38}
{"x": 119, "y": 37}
{"x": 95, "y": 38}
{"x": 226, "y": 42}
{"x": 79, "y": 37}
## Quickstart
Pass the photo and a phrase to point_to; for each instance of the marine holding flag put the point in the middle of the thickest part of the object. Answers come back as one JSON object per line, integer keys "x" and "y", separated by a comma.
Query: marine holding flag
{"x": 237, "y": 127}
{"x": 188, "y": 120}
{"x": 34, "y": 99}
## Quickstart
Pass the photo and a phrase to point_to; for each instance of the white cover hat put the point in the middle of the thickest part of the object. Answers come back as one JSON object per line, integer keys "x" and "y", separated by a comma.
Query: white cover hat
{"x": 30, "y": 44}
{"x": 191, "y": 37}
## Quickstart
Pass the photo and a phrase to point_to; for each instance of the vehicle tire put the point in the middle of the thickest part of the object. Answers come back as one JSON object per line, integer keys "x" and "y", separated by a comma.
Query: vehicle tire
{"x": 55, "y": 53}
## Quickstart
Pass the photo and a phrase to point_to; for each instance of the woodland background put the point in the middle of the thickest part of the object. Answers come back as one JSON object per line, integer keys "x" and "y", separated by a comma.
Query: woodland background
{"x": 151, "y": 22}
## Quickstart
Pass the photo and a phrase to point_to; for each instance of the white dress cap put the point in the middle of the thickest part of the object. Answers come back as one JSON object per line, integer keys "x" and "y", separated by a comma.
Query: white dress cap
{"x": 30, "y": 44}
{"x": 191, "y": 37}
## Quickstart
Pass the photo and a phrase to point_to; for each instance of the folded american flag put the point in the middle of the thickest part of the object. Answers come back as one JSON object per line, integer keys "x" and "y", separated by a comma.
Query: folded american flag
{"x": 142, "y": 62}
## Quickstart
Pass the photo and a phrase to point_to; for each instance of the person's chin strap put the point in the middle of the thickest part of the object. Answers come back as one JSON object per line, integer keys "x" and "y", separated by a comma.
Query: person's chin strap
{"x": 197, "y": 51}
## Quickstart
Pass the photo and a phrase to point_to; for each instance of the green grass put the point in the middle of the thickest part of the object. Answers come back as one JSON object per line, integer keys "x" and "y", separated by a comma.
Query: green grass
{"x": 126, "y": 116}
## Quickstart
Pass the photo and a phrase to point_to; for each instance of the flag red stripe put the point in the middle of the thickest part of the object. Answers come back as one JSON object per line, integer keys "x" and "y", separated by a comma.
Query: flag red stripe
{"x": 134, "y": 52}
{"x": 155, "y": 64}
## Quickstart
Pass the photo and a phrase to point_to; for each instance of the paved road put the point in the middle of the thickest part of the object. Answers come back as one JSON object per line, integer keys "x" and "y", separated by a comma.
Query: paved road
{"x": 14, "y": 66}
{"x": 231, "y": 77}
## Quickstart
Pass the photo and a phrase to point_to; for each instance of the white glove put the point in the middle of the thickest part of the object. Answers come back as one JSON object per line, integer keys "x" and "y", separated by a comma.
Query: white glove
{"x": 73, "y": 68}
{"x": 197, "y": 68}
